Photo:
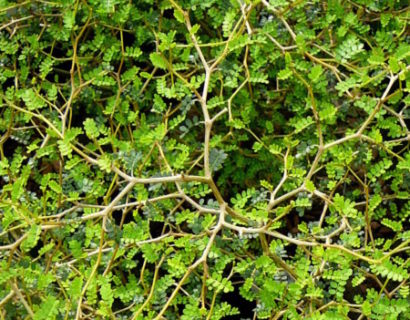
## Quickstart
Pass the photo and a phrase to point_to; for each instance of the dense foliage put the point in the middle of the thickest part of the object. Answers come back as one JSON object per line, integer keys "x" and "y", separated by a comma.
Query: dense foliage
{"x": 204, "y": 159}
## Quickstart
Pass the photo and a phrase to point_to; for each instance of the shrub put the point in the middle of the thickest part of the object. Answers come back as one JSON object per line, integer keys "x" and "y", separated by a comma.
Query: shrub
{"x": 187, "y": 159}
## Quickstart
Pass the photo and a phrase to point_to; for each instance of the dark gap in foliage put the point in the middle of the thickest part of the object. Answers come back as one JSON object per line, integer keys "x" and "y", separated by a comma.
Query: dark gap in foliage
{"x": 61, "y": 72}
{"x": 291, "y": 249}
{"x": 345, "y": 190}
{"x": 2, "y": 182}
{"x": 9, "y": 82}
{"x": 9, "y": 146}
{"x": 366, "y": 47}
{"x": 49, "y": 166}
{"x": 59, "y": 52}
{"x": 281, "y": 126}
{"x": 350, "y": 291}
{"x": 170, "y": 102}
{"x": 118, "y": 305}
{"x": 385, "y": 134}
{"x": 291, "y": 223}
{"x": 147, "y": 46}
{"x": 168, "y": 14}
{"x": 118, "y": 215}
{"x": 60, "y": 76}
{"x": 247, "y": 144}
{"x": 375, "y": 26}
{"x": 79, "y": 114}
{"x": 313, "y": 213}
{"x": 396, "y": 85}
{"x": 35, "y": 250}
{"x": 88, "y": 35}
{"x": 227, "y": 270}
{"x": 381, "y": 231}
{"x": 399, "y": 148}
{"x": 115, "y": 191}
{"x": 128, "y": 38}
{"x": 244, "y": 306}
{"x": 136, "y": 271}
{"x": 156, "y": 228}
{"x": 107, "y": 148}
{"x": 33, "y": 186}
{"x": 406, "y": 222}
{"x": 353, "y": 315}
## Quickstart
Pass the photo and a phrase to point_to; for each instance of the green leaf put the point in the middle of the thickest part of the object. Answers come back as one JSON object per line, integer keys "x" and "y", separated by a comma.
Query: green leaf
{"x": 309, "y": 185}
{"x": 404, "y": 164}
{"x": 394, "y": 225}
{"x": 158, "y": 60}
{"x": 402, "y": 52}
{"x": 65, "y": 147}
{"x": 220, "y": 284}
{"x": 48, "y": 309}
{"x": 46, "y": 67}
{"x": 275, "y": 149}
{"x": 55, "y": 186}
{"x": 315, "y": 73}
{"x": 284, "y": 74}
{"x": 91, "y": 128}
{"x": 32, "y": 100}
{"x": 394, "y": 64}
{"x": 33, "y": 235}
{"x": 104, "y": 162}
{"x": 179, "y": 16}
{"x": 344, "y": 206}
{"x": 367, "y": 308}
{"x": 390, "y": 271}
{"x": 377, "y": 57}
{"x": 379, "y": 169}
{"x": 216, "y": 159}
{"x": 349, "y": 49}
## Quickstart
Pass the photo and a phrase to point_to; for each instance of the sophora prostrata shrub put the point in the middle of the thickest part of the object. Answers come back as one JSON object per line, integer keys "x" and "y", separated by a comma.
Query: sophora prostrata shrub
{"x": 203, "y": 159}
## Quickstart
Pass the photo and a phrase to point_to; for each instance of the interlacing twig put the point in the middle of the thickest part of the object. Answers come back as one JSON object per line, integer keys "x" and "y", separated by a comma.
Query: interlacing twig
{"x": 131, "y": 191}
